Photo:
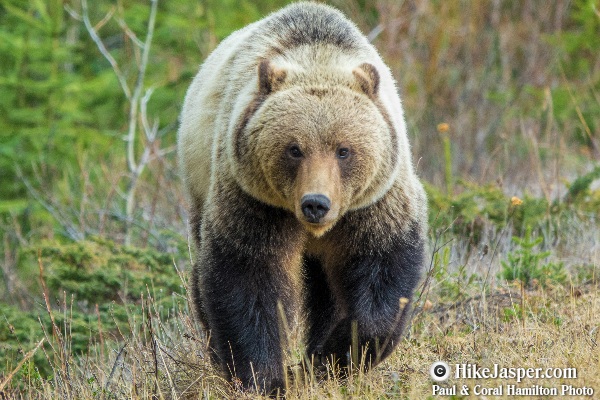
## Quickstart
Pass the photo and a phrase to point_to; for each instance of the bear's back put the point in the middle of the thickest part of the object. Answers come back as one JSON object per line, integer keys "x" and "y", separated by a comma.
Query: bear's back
{"x": 312, "y": 23}
{"x": 298, "y": 36}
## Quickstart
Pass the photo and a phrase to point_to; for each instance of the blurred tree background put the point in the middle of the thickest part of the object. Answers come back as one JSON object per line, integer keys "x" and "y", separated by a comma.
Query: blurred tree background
{"x": 501, "y": 97}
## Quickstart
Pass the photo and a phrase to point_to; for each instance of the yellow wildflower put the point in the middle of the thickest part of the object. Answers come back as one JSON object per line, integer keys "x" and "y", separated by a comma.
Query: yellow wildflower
{"x": 515, "y": 201}
{"x": 443, "y": 127}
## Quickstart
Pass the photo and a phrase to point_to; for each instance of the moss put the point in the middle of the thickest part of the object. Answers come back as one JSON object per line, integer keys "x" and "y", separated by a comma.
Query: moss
{"x": 102, "y": 284}
{"x": 99, "y": 271}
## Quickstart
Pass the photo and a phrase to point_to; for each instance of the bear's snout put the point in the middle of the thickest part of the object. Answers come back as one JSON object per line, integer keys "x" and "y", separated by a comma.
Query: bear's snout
{"x": 315, "y": 207}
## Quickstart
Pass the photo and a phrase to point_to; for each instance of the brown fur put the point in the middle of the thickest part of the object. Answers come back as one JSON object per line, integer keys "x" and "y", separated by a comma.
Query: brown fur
{"x": 293, "y": 106}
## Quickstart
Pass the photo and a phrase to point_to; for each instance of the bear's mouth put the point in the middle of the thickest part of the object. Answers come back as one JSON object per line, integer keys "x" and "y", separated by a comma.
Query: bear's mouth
{"x": 316, "y": 224}
{"x": 313, "y": 222}
{"x": 317, "y": 229}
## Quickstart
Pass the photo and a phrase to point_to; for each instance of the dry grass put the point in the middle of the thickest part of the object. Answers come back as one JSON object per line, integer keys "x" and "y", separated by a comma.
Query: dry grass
{"x": 165, "y": 358}
{"x": 478, "y": 332}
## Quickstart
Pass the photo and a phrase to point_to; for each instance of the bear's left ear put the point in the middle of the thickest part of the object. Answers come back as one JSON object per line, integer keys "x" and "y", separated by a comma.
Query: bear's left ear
{"x": 270, "y": 77}
{"x": 368, "y": 78}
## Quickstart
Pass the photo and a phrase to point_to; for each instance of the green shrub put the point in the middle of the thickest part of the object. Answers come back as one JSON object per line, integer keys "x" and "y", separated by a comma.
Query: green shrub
{"x": 528, "y": 265}
{"x": 581, "y": 186}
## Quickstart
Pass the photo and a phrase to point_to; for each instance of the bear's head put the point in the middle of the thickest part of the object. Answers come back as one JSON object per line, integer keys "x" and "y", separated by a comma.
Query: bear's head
{"x": 318, "y": 143}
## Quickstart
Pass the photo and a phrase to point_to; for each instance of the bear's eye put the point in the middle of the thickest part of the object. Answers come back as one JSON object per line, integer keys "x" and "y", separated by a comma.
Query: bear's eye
{"x": 294, "y": 152}
{"x": 343, "y": 153}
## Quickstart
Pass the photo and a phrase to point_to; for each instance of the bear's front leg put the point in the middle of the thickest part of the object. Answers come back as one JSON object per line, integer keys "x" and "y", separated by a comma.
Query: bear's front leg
{"x": 373, "y": 278}
{"x": 249, "y": 261}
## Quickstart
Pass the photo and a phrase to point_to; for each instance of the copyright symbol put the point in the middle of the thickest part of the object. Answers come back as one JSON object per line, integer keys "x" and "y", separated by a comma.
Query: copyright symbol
{"x": 439, "y": 371}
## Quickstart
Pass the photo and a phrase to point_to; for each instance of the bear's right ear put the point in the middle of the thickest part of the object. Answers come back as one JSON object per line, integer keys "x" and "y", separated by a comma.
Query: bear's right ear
{"x": 270, "y": 77}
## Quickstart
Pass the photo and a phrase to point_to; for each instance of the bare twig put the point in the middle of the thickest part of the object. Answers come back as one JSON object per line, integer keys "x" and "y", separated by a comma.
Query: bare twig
{"x": 375, "y": 32}
{"x": 69, "y": 226}
{"x": 103, "y": 49}
{"x": 137, "y": 91}
{"x": 73, "y": 13}
{"x": 425, "y": 286}
{"x": 151, "y": 132}
{"x": 154, "y": 349}
{"x": 130, "y": 34}
{"x": 500, "y": 236}
{"x": 104, "y": 20}
{"x": 62, "y": 353}
{"x": 118, "y": 363}
{"x": 137, "y": 168}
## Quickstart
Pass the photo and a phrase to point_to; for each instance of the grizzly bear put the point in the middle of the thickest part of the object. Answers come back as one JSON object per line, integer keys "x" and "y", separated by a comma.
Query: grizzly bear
{"x": 303, "y": 197}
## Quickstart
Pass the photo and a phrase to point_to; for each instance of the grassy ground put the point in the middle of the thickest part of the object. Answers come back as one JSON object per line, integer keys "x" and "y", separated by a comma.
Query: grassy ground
{"x": 466, "y": 313}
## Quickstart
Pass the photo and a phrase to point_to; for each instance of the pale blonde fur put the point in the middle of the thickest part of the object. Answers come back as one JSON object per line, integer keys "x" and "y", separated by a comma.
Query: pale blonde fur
{"x": 227, "y": 84}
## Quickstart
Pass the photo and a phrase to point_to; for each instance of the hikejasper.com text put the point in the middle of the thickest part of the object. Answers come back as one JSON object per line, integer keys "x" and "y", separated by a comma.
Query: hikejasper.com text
{"x": 474, "y": 371}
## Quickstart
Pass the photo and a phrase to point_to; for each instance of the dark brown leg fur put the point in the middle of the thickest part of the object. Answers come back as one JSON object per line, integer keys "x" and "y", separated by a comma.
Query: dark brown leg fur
{"x": 368, "y": 276}
{"x": 241, "y": 277}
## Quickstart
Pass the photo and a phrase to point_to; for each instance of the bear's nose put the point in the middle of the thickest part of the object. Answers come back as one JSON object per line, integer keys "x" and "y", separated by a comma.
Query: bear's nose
{"x": 315, "y": 206}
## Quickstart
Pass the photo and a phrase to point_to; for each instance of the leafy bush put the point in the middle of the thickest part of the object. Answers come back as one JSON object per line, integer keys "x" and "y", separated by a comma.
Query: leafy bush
{"x": 468, "y": 212}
